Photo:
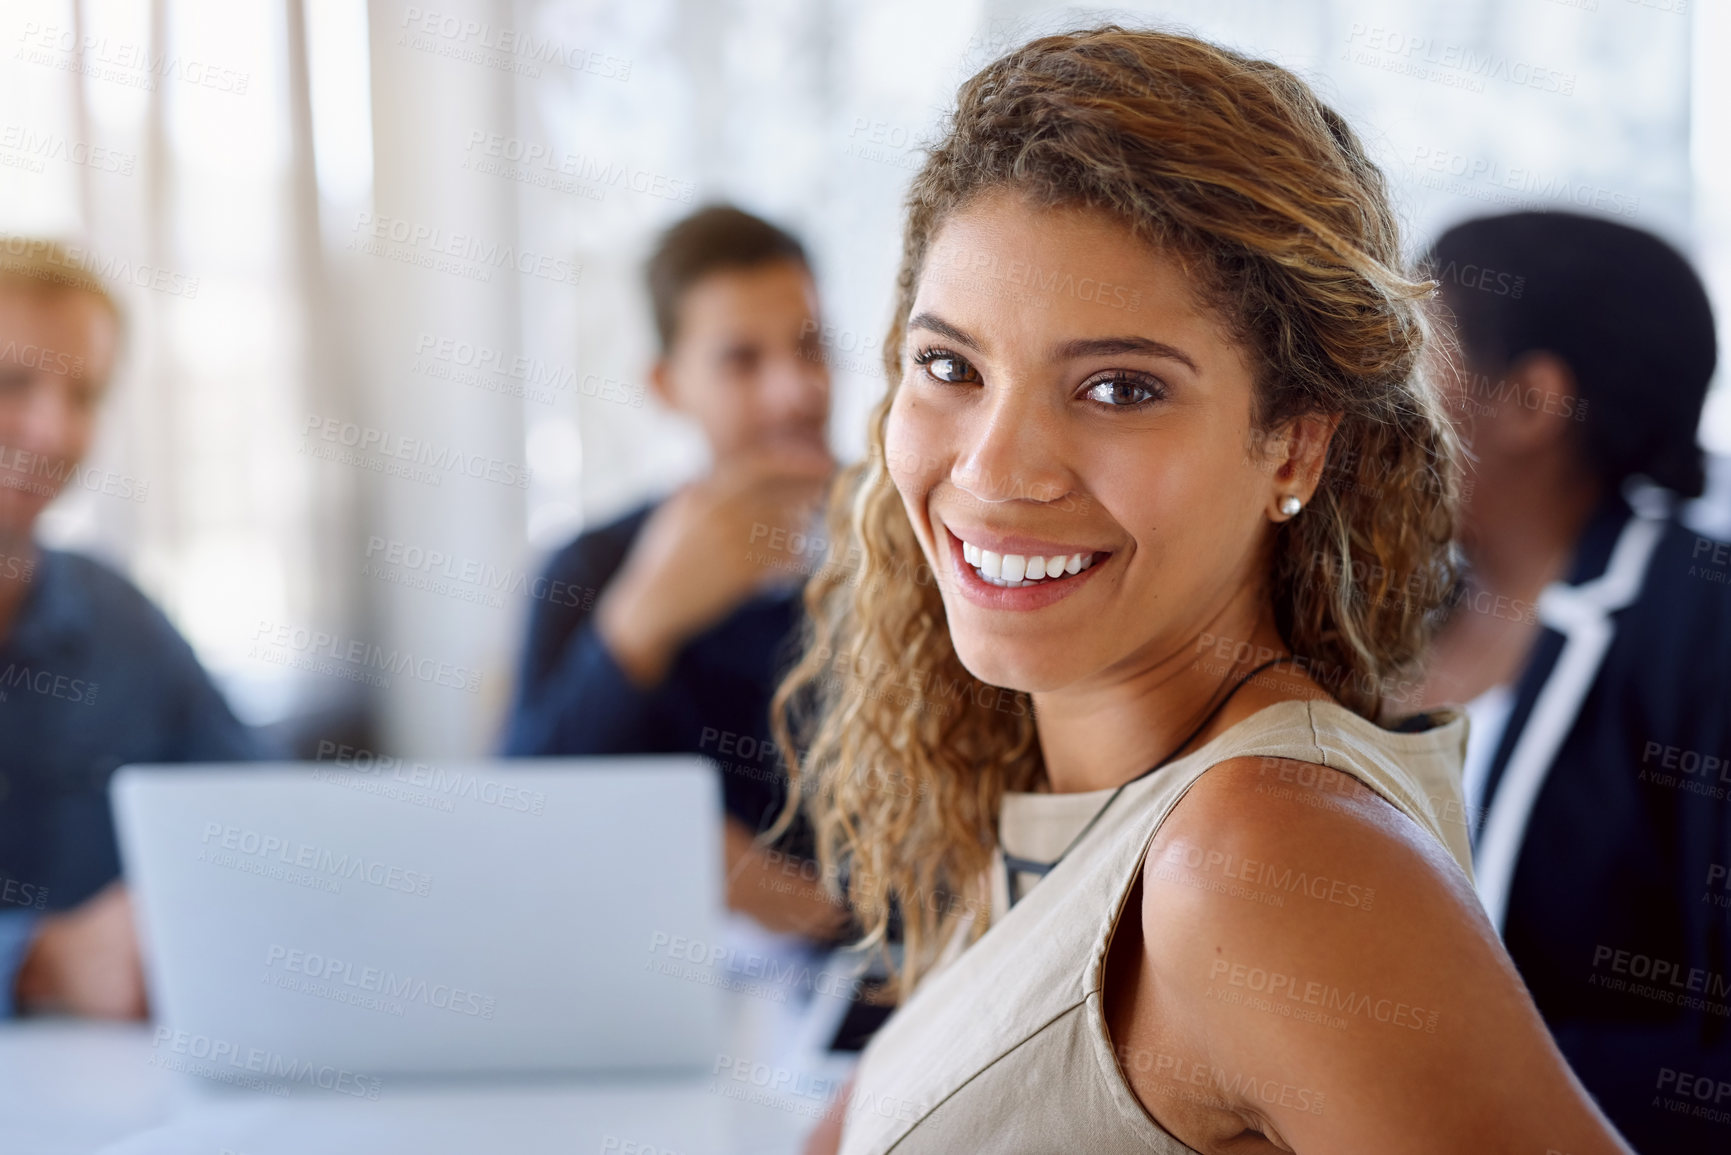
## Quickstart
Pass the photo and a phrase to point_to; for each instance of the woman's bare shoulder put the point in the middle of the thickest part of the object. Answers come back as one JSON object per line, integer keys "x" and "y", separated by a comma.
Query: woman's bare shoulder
{"x": 1299, "y": 879}
{"x": 1263, "y": 813}
{"x": 1294, "y": 867}
{"x": 1301, "y": 931}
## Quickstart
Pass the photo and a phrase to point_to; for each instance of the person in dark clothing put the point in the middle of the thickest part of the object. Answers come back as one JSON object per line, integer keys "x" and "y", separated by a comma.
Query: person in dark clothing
{"x": 92, "y": 676}
{"x": 1592, "y": 641}
{"x": 676, "y": 621}
{"x": 725, "y": 672}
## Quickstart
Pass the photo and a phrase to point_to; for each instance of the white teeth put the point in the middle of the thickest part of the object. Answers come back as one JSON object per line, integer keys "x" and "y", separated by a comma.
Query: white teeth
{"x": 1016, "y": 569}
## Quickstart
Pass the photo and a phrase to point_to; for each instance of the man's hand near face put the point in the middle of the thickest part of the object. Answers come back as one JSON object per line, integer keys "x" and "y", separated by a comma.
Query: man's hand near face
{"x": 707, "y": 549}
{"x": 86, "y": 961}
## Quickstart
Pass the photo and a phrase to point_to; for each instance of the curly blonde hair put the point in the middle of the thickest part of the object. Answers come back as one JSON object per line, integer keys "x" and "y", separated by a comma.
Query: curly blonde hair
{"x": 1232, "y": 164}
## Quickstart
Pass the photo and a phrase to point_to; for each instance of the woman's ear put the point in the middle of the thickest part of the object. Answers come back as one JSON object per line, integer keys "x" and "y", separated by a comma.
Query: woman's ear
{"x": 1532, "y": 406}
{"x": 1296, "y": 453}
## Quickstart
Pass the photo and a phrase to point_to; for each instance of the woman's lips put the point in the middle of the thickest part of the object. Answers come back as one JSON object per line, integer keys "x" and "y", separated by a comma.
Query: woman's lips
{"x": 1026, "y": 595}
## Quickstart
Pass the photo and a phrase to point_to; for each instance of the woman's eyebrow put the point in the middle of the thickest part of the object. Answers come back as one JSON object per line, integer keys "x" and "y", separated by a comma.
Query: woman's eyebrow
{"x": 1069, "y": 350}
{"x": 1107, "y": 346}
{"x": 943, "y": 328}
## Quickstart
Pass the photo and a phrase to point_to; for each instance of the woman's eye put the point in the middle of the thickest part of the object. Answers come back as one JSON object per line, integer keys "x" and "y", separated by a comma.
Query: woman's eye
{"x": 1123, "y": 392}
{"x": 947, "y": 367}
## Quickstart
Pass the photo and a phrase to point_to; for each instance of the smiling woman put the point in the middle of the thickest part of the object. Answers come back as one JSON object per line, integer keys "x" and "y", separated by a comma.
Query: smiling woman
{"x": 1269, "y": 307}
{"x": 1146, "y": 511}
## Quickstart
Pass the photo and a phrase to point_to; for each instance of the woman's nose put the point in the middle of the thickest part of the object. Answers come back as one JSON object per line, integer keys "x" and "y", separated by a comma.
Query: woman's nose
{"x": 1013, "y": 451}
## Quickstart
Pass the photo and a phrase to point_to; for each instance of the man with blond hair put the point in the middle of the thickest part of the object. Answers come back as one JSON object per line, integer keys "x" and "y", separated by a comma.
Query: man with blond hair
{"x": 92, "y": 676}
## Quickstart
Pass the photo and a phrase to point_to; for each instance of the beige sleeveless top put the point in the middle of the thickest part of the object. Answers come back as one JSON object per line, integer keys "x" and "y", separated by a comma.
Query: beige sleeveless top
{"x": 1003, "y": 1047}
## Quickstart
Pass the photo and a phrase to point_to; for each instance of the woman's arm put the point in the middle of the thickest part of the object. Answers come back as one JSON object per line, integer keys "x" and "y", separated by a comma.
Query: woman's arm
{"x": 1312, "y": 972}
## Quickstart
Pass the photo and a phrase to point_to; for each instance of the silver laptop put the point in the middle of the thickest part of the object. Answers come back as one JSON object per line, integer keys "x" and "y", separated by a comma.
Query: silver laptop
{"x": 403, "y": 918}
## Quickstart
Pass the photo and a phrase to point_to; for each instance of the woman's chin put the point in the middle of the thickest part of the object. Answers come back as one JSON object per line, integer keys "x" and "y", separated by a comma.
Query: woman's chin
{"x": 1014, "y": 668}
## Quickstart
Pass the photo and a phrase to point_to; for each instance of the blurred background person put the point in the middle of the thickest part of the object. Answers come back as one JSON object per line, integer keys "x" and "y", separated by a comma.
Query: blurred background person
{"x": 92, "y": 675}
{"x": 1592, "y": 640}
{"x": 683, "y": 611}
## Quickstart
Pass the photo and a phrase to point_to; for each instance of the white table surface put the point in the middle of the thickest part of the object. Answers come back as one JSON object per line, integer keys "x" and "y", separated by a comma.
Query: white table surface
{"x": 77, "y": 1088}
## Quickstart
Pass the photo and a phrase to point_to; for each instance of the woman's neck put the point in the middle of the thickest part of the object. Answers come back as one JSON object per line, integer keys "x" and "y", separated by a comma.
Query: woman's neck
{"x": 1526, "y": 538}
{"x": 1125, "y": 720}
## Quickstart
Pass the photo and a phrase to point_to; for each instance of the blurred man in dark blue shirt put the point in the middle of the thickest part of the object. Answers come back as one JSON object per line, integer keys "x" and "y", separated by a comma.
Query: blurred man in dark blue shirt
{"x": 92, "y": 676}
{"x": 684, "y": 612}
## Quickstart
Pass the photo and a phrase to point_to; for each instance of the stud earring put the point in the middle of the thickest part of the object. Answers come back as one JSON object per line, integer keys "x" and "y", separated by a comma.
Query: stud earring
{"x": 1290, "y": 505}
